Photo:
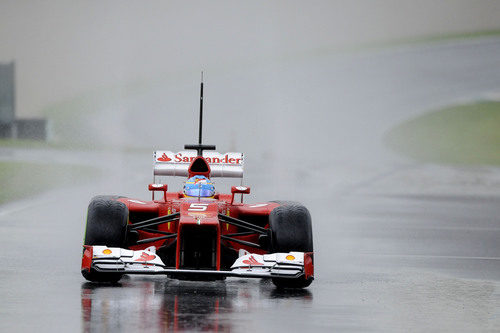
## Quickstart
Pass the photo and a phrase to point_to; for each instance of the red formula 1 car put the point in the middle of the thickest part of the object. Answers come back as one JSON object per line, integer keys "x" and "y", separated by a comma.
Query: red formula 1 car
{"x": 197, "y": 233}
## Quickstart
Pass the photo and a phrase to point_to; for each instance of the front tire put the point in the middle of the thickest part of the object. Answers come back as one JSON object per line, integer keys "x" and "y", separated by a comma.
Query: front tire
{"x": 291, "y": 228}
{"x": 107, "y": 221}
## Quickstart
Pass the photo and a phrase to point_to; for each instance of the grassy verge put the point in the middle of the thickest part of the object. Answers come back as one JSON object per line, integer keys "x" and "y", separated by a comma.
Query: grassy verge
{"x": 68, "y": 145}
{"x": 463, "y": 134}
{"x": 22, "y": 180}
{"x": 37, "y": 144}
{"x": 442, "y": 37}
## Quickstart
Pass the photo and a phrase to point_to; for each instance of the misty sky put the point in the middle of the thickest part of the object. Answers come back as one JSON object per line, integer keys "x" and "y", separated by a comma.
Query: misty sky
{"x": 66, "y": 48}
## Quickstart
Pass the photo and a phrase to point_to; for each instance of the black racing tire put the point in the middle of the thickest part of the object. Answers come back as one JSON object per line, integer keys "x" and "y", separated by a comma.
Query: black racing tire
{"x": 107, "y": 221}
{"x": 291, "y": 228}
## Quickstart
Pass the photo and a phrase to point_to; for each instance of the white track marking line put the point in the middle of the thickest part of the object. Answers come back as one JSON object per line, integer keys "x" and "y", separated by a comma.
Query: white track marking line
{"x": 430, "y": 256}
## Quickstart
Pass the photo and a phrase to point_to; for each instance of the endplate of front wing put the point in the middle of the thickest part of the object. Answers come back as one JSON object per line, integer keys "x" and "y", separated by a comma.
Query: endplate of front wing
{"x": 113, "y": 259}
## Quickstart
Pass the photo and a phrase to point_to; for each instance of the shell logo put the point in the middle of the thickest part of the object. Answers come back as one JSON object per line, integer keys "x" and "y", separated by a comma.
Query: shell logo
{"x": 290, "y": 257}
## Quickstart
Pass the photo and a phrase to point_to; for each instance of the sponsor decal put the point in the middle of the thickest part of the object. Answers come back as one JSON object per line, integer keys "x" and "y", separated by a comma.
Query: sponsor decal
{"x": 145, "y": 257}
{"x": 211, "y": 158}
{"x": 241, "y": 188}
{"x": 164, "y": 158}
{"x": 252, "y": 262}
{"x": 107, "y": 251}
{"x": 198, "y": 215}
{"x": 290, "y": 257}
{"x": 224, "y": 159}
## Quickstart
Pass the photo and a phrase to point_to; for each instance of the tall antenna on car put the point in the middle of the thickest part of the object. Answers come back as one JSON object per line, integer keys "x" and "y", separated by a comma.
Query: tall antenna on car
{"x": 200, "y": 147}
{"x": 201, "y": 110}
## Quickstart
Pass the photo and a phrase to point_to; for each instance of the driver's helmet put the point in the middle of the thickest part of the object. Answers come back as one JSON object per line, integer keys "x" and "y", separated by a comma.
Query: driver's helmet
{"x": 199, "y": 186}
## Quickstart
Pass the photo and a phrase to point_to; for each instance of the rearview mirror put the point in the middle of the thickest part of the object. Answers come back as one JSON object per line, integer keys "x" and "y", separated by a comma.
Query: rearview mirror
{"x": 239, "y": 189}
{"x": 158, "y": 187}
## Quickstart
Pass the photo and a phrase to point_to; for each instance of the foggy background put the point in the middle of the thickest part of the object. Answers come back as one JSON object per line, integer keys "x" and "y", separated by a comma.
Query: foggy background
{"x": 307, "y": 90}
{"x": 126, "y": 74}
{"x": 63, "y": 49}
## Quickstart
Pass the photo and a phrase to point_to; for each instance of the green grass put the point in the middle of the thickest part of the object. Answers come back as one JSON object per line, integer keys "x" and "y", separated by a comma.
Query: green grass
{"x": 19, "y": 143}
{"x": 463, "y": 134}
{"x": 68, "y": 145}
{"x": 442, "y": 37}
{"x": 39, "y": 144}
{"x": 20, "y": 180}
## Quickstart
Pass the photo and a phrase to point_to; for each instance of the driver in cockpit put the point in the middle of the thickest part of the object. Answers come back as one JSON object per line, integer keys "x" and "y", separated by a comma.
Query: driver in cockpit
{"x": 199, "y": 186}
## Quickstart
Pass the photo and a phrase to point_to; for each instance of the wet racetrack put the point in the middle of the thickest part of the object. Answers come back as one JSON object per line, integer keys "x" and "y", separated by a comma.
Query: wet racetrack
{"x": 399, "y": 246}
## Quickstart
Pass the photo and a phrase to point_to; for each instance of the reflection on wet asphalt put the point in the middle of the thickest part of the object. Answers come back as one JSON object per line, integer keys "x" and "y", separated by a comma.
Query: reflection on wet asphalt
{"x": 376, "y": 270}
{"x": 170, "y": 305}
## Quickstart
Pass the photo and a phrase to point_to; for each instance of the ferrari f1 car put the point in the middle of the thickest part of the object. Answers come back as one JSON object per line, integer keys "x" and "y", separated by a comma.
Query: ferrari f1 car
{"x": 197, "y": 233}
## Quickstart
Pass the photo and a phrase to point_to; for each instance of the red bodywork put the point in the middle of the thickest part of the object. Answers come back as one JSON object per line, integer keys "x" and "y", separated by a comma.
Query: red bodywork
{"x": 191, "y": 214}
{"x": 200, "y": 214}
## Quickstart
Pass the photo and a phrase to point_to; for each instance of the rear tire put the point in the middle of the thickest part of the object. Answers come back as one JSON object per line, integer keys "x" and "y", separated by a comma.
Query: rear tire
{"x": 291, "y": 228}
{"x": 107, "y": 221}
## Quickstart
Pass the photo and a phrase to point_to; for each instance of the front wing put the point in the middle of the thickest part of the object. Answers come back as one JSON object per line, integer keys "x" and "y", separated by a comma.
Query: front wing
{"x": 275, "y": 265}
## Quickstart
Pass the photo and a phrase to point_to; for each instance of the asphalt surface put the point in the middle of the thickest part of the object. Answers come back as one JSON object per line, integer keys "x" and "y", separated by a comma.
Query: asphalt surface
{"x": 400, "y": 246}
